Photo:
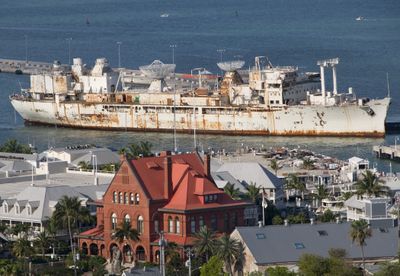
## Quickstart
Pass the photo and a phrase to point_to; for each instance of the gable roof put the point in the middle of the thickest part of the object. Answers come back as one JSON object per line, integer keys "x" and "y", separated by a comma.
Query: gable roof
{"x": 189, "y": 182}
{"x": 277, "y": 244}
{"x": 221, "y": 178}
{"x": 252, "y": 172}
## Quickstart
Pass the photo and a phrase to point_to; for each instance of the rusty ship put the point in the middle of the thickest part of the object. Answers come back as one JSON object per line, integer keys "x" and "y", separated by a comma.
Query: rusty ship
{"x": 274, "y": 100}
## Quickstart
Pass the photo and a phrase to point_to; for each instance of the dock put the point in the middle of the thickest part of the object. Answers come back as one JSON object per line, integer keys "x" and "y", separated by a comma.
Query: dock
{"x": 387, "y": 152}
{"x": 20, "y": 67}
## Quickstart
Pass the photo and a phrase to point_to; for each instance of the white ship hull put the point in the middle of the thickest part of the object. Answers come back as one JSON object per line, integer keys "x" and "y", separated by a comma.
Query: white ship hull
{"x": 307, "y": 120}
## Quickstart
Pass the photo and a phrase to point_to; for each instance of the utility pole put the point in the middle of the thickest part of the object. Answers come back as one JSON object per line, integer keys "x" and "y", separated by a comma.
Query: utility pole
{"x": 69, "y": 49}
{"x": 119, "y": 53}
{"x": 189, "y": 261}
{"x": 162, "y": 243}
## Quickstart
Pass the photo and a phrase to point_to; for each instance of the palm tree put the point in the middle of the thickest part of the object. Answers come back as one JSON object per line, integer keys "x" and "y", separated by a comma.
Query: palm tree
{"x": 126, "y": 232}
{"x": 371, "y": 185}
{"x": 240, "y": 259}
{"x": 20, "y": 230}
{"x": 136, "y": 150}
{"x": 231, "y": 190}
{"x": 274, "y": 165}
{"x": 69, "y": 213}
{"x": 22, "y": 248}
{"x": 227, "y": 249}
{"x": 84, "y": 165}
{"x": 42, "y": 242}
{"x": 253, "y": 192}
{"x": 321, "y": 193}
{"x": 359, "y": 232}
{"x": 204, "y": 243}
{"x": 294, "y": 183}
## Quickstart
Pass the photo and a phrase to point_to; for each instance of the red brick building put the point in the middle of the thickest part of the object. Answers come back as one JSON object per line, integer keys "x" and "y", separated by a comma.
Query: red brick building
{"x": 173, "y": 193}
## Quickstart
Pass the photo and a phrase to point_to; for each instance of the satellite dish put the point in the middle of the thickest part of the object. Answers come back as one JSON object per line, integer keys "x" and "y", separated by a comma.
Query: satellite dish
{"x": 157, "y": 70}
{"x": 230, "y": 66}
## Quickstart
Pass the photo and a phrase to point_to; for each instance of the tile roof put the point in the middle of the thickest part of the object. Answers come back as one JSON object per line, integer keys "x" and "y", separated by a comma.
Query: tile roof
{"x": 189, "y": 182}
{"x": 285, "y": 244}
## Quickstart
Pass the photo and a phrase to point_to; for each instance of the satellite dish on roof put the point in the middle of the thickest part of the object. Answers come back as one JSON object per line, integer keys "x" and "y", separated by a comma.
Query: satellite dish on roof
{"x": 230, "y": 66}
{"x": 157, "y": 69}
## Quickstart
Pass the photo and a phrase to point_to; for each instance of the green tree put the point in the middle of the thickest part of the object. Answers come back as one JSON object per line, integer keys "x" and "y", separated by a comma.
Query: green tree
{"x": 175, "y": 266}
{"x": 204, "y": 243}
{"x": 292, "y": 182}
{"x": 312, "y": 265}
{"x": 338, "y": 253}
{"x": 85, "y": 165}
{"x": 142, "y": 149}
{"x": 232, "y": 191}
{"x": 69, "y": 213}
{"x": 240, "y": 259}
{"x": 359, "y": 232}
{"x": 279, "y": 271}
{"x": 371, "y": 185}
{"x": 22, "y": 248}
{"x": 227, "y": 249}
{"x": 389, "y": 269}
{"x": 97, "y": 265}
{"x": 274, "y": 166}
{"x": 126, "y": 232}
{"x": 253, "y": 192}
{"x": 327, "y": 216}
{"x": 12, "y": 145}
{"x": 42, "y": 242}
{"x": 214, "y": 267}
{"x": 277, "y": 220}
{"x": 9, "y": 267}
{"x": 321, "y": 193}
{"x": 20, "y": 230}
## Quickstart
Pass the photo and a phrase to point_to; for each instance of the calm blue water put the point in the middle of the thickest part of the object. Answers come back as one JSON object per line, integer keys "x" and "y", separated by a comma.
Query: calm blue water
{"x": 289, "y": 32}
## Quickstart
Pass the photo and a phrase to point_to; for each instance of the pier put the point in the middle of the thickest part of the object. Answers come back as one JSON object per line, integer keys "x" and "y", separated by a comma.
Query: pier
{"x": 388, "y": 152}
{"x": 28, "y": 67}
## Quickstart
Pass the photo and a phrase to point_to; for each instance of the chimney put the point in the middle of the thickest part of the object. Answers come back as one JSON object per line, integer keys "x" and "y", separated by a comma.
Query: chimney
{"x": 260, "y": 224}
{"x": 207, "y": 166}
{"x": 311, "y": 221}
{"x": 286, "y": 222}
{"x": 165, "y": 153}
{"x": 167, "y": 177}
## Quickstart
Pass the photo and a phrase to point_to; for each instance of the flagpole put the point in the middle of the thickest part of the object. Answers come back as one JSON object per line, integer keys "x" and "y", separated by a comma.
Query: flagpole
{"x": 263, "y": 208}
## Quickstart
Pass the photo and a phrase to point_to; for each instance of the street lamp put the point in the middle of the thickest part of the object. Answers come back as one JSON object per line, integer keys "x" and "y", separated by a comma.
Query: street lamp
{"x": 162, "y": 243}
{"x": 173, "y": 46}
{"x": 26, "y": 48}
{"x": 119, "y": 53}
{"x": 69, "y": 39}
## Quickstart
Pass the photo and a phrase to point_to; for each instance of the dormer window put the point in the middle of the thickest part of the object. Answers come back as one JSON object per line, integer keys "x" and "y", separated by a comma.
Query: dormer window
{"x": 29, "y": 209}
{"x": 5, "y": 207}
{"x": 17, "y": 209}
{"x": 210, "y": 198}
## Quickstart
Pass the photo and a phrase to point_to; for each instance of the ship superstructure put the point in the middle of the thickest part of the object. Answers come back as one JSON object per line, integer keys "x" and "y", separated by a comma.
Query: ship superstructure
{"x": 274, "y": 101}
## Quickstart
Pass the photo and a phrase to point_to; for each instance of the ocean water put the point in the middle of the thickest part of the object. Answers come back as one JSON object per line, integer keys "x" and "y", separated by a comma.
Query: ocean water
{"x": 289, "y": 32}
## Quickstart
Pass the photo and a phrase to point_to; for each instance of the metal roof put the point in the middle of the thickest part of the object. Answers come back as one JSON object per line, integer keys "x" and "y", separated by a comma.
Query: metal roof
{"x": 285, "y": 244}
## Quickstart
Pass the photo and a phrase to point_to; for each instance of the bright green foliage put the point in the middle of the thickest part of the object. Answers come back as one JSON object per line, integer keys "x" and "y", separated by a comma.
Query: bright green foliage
{"x": 274, "y": 165}
{"x": 175, "y": 266}
{"x": 125, "y": 231}
{"x": 214, "y": 267}
{"x": 296, "y": 219}
{"x": 10, "y": 267}
{"x": 279, "y": 271}
{"x": 227, "y": 249}
{"x": 321, "y": 193}
{"x": 42, "y": 242}
{"x": 371, "y": 185}
{"x": 312, "y": 265}
{"x": 294, "y": 183}
{"x": 12, "y": 145}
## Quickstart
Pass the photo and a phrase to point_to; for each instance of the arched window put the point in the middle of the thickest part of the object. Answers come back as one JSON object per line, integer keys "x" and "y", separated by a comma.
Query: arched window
{"x": 201, "y": 222}
{"x": 226, "y": 222}
{"x": 115, "y": 197}
{"x": 127, "y": 218}
{"x": 170, "y": 225}
{"x": 140, "y": 225}
{"x": 132, "y": 197}
{"x": 126, "y": 201}
{"x": 114, "y": 221}
{"x": 214, "y": 222}
{"x": 121, "y": 197}
{"x": 177, "y": 225}
{"x": 137, "y": 199}
{"x": 193, "y": 224}
{"x": 156, "y": 226}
